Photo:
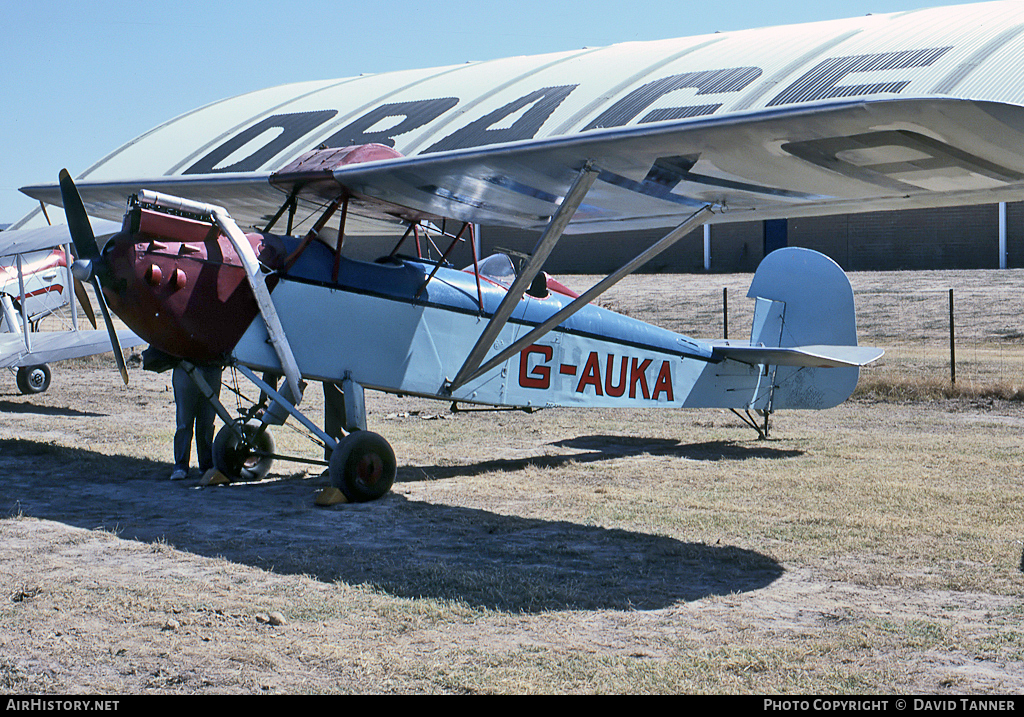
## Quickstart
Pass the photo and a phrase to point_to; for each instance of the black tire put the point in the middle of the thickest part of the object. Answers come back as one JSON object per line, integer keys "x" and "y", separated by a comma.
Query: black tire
{"x": 243, "y": 459}
{"x": 33, "y": 379}
{"x": 363, "y": 466}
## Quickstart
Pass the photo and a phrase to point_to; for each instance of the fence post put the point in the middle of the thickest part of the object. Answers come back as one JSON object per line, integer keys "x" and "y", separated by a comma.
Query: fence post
{"x": 952, "y": 344}
{"x": 725, "y": 312}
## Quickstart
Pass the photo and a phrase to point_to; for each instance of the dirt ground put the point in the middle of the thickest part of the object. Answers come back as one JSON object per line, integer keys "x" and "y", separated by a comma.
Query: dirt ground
{"x": 114, "y": 579}
{"x": 872, "y": 548}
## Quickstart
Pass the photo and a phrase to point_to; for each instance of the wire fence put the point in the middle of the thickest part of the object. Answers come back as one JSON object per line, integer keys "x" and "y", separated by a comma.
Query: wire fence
{"x": 968, "y": 338}
{"x": 905, "y": 313}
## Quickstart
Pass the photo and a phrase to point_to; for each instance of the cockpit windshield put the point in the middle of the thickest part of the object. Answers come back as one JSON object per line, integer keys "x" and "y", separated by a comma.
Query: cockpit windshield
{"x": 497, "y": 268}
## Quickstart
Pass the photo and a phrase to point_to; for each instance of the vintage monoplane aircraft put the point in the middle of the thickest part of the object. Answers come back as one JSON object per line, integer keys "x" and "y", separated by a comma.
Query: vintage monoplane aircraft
{"x": 35, "y": 284}
{"x": 914, "y": 109}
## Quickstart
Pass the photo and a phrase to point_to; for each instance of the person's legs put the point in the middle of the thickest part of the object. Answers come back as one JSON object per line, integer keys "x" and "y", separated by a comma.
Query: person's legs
{"x": 184, "y": 416}
{"x": 205, "y": 415}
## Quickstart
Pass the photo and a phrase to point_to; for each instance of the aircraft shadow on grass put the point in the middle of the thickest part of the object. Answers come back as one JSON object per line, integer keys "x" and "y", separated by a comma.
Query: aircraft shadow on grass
{"x": 404, "y": 547}
{"x": 26, "y": 407}
{"x": 602, "y": 448}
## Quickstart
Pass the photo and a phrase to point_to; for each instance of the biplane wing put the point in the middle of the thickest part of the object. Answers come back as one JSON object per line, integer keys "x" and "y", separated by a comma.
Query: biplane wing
{"x": 34, "y": 282}
{"x": 53, "y": 346}
{"x": 26, "y": 241}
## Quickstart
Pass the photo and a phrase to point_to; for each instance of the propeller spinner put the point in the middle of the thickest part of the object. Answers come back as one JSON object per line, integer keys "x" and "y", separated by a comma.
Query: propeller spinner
{"x": 89, "y": 258}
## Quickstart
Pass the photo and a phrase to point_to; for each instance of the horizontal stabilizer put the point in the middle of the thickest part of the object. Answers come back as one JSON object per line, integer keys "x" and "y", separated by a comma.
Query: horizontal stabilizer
{"x": 811, "y": 356}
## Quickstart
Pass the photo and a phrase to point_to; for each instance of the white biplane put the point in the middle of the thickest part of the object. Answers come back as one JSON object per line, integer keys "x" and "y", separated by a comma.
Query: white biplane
{"x": 36, "y": 285}
{"x": 915, "y": 109}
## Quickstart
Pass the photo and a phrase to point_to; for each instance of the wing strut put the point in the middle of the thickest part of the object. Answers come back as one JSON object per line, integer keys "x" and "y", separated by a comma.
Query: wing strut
{"x": 24, "y": 308}
{"x": 696, "y": 220}
{"x": 556, "y": 226}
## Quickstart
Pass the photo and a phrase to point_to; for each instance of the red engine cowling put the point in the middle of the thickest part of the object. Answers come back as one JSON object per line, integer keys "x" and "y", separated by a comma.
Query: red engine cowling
{"x": 178, "y": 284}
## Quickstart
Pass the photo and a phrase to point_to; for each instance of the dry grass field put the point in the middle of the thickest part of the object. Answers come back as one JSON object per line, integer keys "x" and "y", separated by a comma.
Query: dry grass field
{"x": 871, "y": 548}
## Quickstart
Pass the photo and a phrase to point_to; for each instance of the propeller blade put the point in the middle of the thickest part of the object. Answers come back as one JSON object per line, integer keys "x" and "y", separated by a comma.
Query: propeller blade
{"x": 89, "y": 254}
{"x": 78, "y": 221}
{"x": 83, "y": 300}
{"x": 115, "y": 344}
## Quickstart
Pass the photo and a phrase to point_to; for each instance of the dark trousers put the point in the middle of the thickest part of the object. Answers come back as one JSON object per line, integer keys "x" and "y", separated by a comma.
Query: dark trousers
{"x": 194, "y": 415}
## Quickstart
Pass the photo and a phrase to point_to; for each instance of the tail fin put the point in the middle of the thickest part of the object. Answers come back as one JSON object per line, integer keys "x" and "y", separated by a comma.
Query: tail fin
{"x": 804, "y": 330}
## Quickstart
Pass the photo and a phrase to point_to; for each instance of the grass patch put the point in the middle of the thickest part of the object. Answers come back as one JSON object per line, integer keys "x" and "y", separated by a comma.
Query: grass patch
{"x": 909, "y": 389}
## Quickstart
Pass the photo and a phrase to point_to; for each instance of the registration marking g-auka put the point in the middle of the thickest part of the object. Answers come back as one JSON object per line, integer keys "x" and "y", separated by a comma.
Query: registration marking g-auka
{"x": 601, "y": 374}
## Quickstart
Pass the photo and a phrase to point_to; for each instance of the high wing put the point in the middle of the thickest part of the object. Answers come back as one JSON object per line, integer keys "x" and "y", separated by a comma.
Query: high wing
{"x": 853, "y": 156}
{"x": 912, "y": 109}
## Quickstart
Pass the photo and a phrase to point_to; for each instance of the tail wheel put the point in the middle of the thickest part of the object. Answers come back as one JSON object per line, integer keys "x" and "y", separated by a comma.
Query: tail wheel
{"x": 363, "y": 466}
{"x": 243, "y": 458}
{"x": 33, "y": 379}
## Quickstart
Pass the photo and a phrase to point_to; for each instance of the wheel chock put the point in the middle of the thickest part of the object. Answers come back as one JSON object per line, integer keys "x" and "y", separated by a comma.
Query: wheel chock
{"x": 331, "y": 496}
{"x": 214, "y": 477}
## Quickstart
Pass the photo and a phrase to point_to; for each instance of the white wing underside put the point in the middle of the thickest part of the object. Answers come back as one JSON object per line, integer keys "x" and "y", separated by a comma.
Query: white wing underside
{"x": 26, "y": 241}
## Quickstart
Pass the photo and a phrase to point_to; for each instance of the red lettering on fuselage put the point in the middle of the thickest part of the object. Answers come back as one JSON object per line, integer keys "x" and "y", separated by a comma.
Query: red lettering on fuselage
{"x": 540, "y": 375}
{"x": 609, "y": 388}
{"x": 638, "y": 374}
{"x": 618, "y": 377}
{"x": 664, "y": 382}
{"x": 591, "y": 375}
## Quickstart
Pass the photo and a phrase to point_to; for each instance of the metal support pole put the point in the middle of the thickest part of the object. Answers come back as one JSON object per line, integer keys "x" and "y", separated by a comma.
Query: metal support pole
{"x": 70, "y": 278}
{"x": 24, "y": 307}
{"x": 707, "y": 247}
{"x": 1002, "y": 235}
{"x": 725, "y": 312}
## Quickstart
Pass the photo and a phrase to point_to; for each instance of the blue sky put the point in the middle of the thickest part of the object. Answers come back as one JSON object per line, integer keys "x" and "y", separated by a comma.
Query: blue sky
{"x": 82, "y": 78}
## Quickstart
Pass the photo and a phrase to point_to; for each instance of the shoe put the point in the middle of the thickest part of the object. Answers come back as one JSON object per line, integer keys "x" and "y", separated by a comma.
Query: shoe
{"x": 179, "y": 474}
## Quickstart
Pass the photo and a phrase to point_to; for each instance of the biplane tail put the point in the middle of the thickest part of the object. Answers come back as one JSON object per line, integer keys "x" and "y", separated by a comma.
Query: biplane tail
{"x": 804, "y": 332}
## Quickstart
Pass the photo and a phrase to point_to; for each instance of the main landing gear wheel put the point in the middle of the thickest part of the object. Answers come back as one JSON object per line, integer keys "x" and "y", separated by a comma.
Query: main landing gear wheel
{"x": 245, "y": 458}
{"x": 33, "y": 379}
{"x": 363, "y": 466}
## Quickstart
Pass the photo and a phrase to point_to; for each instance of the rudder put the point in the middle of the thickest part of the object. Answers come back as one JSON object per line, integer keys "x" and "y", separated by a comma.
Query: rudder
{"x": 803, "y": 298}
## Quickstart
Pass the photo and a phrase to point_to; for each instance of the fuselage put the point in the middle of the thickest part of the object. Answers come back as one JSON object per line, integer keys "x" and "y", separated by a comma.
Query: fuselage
{"x": 42, "y": 276}
{"x": 400, "y": 324}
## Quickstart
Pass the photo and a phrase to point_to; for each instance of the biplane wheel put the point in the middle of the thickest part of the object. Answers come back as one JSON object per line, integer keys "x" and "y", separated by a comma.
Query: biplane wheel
{"x": 363, "y": 466}
{"x": 33, "y": 379}
{"x": 243, "y": 459}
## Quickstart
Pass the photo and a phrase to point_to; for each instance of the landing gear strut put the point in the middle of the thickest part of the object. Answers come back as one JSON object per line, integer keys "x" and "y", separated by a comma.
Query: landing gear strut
{"x": 362, "y": 465}
{"x": 751, "y": 420}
